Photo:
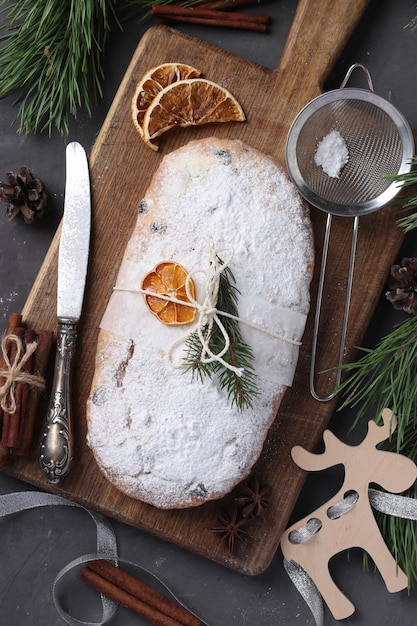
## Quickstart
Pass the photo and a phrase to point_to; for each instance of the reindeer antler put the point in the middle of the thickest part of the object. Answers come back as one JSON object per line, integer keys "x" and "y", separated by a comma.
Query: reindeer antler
{"x": 377, "y": 433}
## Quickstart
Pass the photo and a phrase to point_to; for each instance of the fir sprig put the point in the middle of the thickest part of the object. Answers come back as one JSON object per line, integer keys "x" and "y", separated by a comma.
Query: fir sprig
{"x": 241, "y": 390}
{"x": 52, "y": 55}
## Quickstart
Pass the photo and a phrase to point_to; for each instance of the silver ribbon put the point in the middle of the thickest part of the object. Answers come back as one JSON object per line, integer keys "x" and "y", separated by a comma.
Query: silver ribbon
{"x": 303, "y": 534}
{"x": 106, "y": 549}
{"x": 302, "y": 581}
{"x": 106, "y": 544}
{"x": 391, "y": 504}
{"x": 388, "y": 503}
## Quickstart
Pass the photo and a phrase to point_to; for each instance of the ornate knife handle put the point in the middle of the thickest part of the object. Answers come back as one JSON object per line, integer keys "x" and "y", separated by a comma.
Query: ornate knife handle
{"x": 56, "y": 444}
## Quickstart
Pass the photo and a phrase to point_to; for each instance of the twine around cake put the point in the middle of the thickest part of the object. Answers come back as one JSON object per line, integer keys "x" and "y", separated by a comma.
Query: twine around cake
{"x": 14, "y": 373}
{"x": 208, "y": 313}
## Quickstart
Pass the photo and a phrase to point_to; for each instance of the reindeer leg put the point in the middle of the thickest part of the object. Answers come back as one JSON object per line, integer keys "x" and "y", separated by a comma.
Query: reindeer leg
{"x": 315, "y": 562}
{"x": 394, "y": 577}
{"x": 339, "y": 605}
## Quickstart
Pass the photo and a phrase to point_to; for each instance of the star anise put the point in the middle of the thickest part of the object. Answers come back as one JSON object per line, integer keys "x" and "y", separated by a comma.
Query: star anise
{"x": 253, "y": 499}
{"x": 232, "y": 527}
{"x": 403, "y": 286}
{"x": 24, "y": 193}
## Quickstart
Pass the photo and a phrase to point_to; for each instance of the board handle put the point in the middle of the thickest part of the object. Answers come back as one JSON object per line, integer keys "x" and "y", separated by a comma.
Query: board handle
{"x": 319, "y": 33}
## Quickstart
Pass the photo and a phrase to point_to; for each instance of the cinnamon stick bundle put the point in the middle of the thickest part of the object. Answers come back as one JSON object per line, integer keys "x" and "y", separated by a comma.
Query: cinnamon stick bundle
{"x": 26, "y": 351}
{"x": 168, "y": 13}
{"x": 135, "y": 595}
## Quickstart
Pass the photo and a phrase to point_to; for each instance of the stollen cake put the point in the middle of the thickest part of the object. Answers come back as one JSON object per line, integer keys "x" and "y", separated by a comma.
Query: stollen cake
{"x": 158, "y": 433}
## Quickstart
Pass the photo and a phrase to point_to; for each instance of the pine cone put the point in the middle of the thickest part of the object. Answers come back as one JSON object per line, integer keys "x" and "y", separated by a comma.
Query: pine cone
{"x": 25, "y": 193}
{"x": 403, "y": 286}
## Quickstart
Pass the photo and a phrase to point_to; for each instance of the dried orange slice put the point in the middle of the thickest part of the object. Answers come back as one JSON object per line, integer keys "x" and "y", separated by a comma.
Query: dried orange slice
{"x": 168, "y": 279}
{"x": 189, "y": 102}
{"x": 153, "y": 82}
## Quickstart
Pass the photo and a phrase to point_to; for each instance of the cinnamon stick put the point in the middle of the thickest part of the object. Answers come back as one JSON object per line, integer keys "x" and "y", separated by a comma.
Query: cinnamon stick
{"x": 225, "y": 5}
{"x": 9, "y": 419}
{"x": 175, "y": 10}
{"x": 17, "y": 428}
{"x": 14, "y": 321}
{"x": 21, "y": 394}
{"x": 29, "y": 413}
{"x": 173, "y": 13}
{"x": 136, "y": 596}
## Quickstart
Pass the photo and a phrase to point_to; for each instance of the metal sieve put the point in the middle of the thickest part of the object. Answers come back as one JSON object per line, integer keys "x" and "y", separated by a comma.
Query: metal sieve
{"x": 380, "y": 144}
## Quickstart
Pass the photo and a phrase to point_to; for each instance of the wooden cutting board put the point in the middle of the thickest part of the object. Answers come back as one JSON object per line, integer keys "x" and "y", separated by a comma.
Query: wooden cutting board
{"x": 121, "y": 168}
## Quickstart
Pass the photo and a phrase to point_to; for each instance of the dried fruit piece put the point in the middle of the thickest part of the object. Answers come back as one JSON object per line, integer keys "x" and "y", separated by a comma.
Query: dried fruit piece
{"x": 153, "y": 82}
{"x": 190, "y": 102}
{"x": 169, "y": 279}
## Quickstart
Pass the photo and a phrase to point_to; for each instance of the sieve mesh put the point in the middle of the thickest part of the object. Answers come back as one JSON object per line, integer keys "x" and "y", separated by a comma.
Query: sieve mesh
{"x": 375, "y": 150}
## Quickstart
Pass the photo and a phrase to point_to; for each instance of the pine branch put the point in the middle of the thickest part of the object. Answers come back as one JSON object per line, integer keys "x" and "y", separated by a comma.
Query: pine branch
{"x": 241, "y": 390}
{"x": 52, "y": 55}
{"x": 386, "y": 377}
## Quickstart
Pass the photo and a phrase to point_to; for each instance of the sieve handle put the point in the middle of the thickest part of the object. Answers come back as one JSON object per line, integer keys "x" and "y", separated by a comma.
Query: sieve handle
{"x": 365, "y": 71}
{"x": 345, "y": 313}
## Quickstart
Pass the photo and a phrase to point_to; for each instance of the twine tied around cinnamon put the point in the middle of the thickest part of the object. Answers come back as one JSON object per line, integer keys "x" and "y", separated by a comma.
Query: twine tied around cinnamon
{"x": 14, "y": 372}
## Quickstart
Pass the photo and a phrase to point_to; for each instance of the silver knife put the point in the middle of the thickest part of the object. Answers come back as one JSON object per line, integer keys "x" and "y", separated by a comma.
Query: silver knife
{"x": 56, "y": 445}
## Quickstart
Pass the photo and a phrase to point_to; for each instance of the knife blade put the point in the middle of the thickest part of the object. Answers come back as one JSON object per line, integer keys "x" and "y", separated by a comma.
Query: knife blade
{"x": 56, "y": 449}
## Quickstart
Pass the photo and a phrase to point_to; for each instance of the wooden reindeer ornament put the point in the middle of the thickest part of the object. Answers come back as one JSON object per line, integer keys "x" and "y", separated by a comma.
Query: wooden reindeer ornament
{"x": 364, "y": 464}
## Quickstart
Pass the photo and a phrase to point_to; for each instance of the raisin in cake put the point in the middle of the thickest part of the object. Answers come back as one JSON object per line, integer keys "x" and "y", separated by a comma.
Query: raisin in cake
{"x": 157, "y": 433}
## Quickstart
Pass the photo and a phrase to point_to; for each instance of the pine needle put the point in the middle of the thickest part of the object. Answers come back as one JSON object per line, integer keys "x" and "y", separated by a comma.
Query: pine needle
{"x": 52, "y": 56}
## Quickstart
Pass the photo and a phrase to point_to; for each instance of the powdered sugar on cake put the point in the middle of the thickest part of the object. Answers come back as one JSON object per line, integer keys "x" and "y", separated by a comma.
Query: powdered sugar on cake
{"x": 157, "y": 434}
